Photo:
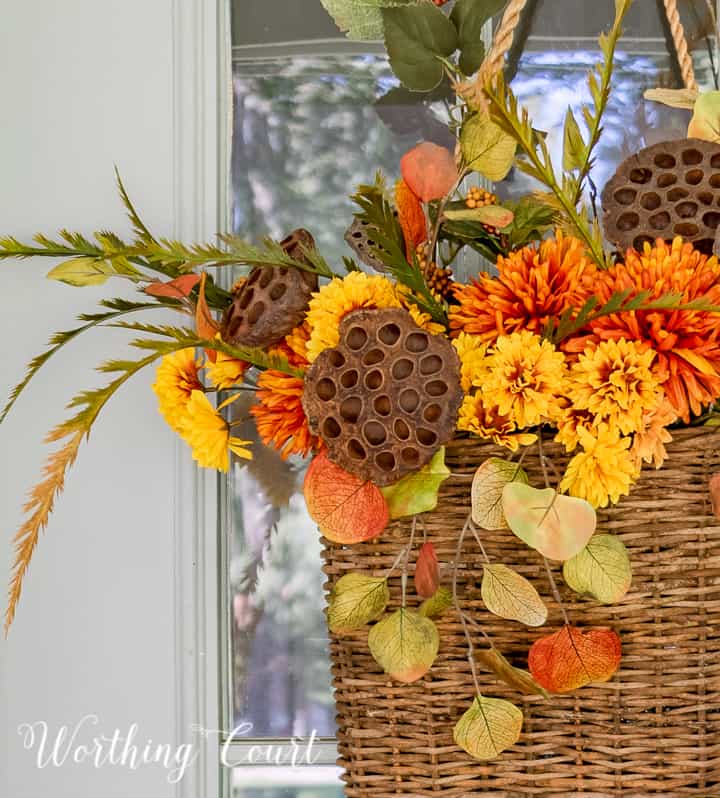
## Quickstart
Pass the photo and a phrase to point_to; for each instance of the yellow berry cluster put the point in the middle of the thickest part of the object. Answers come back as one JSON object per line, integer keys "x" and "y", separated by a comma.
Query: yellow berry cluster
{"x": 479, "y": 198}
{"x": 439, "y": 280}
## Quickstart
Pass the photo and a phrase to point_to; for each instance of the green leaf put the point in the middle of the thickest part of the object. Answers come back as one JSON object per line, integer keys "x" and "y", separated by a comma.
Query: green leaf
{"x": 487, "y": 491}
{"x": 418, "y": 492}
{"x": 81, "y": 272}
{"x": 404, "y": 644}
{"x": 469, "y": 17}
{"x": 602, "y": 569}
{"x": 557, "y": 526}
{"x": 509, "y": 595}
{"x": 360, "y": 19}
{"x": 436, "y": 606}
{"x": 573, "y": 144}
{"x": 416, "y": 37}
{"x": 494, "y": 215}
{"x": 486, "y": 147}
{"x": 513, "y": 677}
{"x": 118, "y": 307}
{"x": 489, "y": 727}
{"x": 356, "y": 599}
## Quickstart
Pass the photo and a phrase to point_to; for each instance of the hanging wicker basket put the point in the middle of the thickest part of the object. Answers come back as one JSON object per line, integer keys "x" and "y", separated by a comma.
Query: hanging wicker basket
{"x": 653, "y": 730}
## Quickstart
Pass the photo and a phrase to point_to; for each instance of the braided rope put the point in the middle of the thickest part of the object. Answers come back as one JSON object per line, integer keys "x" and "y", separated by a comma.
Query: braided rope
{"x": 492, "y": 66}
{"x": 681, "y": 46}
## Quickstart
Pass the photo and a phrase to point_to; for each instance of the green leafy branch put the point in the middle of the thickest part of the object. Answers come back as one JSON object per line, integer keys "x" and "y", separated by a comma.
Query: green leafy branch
{"x": 506, "y": 112}
{"x": 578, "y": 154}
{"x": 376, "y": 211}
{"x": 188, "y": 338}
{"x": 574, "y": 320}
{"x": 116, "y": 308}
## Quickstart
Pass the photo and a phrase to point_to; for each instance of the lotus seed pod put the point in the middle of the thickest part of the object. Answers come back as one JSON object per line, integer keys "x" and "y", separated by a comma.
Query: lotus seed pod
{"x": 386, "y": 398}
{"x": 273, "y": 300}
{"x": 667, "y": 190}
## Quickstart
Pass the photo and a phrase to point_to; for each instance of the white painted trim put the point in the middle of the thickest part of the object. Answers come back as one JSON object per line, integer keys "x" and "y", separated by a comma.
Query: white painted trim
{"x": 201, "y": 140}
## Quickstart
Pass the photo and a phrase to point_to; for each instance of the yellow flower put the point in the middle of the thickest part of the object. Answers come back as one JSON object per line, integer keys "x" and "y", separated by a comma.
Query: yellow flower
{"x": 208, "y": 434}
{"x": 484, "y": 421}
{"x": 525, "y": 379}
{"x": 175, "y": 380}
{"x": 357, "y": 290}
{"x": 473, "y": 364}
{"x": 570, "y": 421}
{"x": 650, "y": 439}
{"x": 226, "y": 371}
{"x": 604, "y": 471}
{"x": 613, "y": 381}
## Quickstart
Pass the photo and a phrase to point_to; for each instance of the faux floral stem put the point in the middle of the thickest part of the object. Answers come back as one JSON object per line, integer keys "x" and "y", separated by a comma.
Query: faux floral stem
{"x": 461, "y": 614}
{"x": 476, "y": 535}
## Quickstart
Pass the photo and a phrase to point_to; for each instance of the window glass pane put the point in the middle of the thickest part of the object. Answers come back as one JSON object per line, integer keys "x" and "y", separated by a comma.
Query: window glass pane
{"x": 307, "y": 130}
{"x": 308, "y": 782}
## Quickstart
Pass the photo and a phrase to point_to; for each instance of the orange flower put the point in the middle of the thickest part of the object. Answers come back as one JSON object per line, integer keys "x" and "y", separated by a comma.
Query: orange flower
{"x": 533, "y": 284}
{"x": 687, "y": 342}
{"x": 279, "y": 416}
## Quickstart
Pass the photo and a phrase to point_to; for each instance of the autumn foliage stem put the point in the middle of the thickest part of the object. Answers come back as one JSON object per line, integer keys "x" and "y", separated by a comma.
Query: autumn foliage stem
{"x": 461, "y": 614}
{"x": 548, "y": 569}
{"x": 406, "y": 563}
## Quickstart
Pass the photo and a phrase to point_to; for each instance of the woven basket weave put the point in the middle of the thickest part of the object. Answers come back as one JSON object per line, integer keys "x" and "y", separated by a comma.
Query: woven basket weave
{"x": 654, "y": 730}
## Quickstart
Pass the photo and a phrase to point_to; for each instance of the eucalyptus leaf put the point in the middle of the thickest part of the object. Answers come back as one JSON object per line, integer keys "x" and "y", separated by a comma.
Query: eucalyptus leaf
{"x": 509, "y": 595}
{"x": 416, "y": 37}
{"x": 356, "y": 599}
{"x": 435, "y": 606}
{"x": 486, "y": 147}
{"x": 418, "y": 492}
{"x": 487, "y": 491}
{"x": 602, "y": 569}
{"x": 404, "y": 644}
{"x": 489, "y": 727}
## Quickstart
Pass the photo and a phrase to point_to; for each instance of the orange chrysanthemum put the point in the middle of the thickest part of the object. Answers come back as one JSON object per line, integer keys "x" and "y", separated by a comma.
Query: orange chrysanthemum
{"x": 687, "y": 342}
{"x": 279, "y": 416}
{"x": 533, "y": 285}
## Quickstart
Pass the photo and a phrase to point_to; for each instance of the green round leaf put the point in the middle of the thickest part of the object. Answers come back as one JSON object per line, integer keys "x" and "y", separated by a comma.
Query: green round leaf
{"x": 487, "y": 489}
{"x": 557, "y": 526}
{"x": 602, "y": 569}
{"x": 489, "y": 727}
{"x": 486, "y": 147}
{"x": 418, "y": 492}
{"x": 356, "y": 599}
{"x": 511, "y": 596}
{"x": 404, "y": 644}
{"x": 435, "y": 606}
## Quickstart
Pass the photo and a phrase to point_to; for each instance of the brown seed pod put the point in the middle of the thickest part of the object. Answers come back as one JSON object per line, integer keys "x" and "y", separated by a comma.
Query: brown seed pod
{"x": 273, "y": 300}
{"x": 667, "y": 190}
{"x": 386, "y": 398}
{"x": 360, "y": 239}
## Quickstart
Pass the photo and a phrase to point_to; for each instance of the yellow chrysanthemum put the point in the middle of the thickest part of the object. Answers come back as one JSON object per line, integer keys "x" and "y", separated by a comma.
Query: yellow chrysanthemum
{"x": 226, "y": 371}
{"x": 343, "y": 295}
{"x": 570, "y": 420}
{"x": 208, "y": 434}
{"x": 175, "y": 380}
{"x": 525, "y": 379}
{"x": 650, "y": 439}
{"x": 604, "y": 471}
{"x": 476, "y": 417}
{"x": 473, "y": 364}
{"x": 613, "y": 381}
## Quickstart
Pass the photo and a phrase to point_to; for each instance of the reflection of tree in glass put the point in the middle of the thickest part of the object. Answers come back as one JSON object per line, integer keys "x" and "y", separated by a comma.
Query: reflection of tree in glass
{"x": 548, "y": 82}
{"x": 282, "y": 671}
{"x": 305, "y": 134}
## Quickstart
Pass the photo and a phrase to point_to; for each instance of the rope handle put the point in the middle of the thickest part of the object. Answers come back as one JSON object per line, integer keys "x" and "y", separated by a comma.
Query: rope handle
{"x": 502, "y": 42}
